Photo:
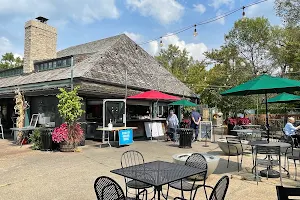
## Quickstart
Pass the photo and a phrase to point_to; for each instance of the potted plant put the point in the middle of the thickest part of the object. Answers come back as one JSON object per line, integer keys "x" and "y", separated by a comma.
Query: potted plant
{"x": 70, "y": 133}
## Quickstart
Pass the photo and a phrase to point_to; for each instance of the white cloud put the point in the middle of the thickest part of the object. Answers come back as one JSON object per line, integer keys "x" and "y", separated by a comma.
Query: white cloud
{"x": 265, "y": 9}
{"x": 219, "y": 3}
{"x": 221, "y": 20}
{"x": 86, "y": 11}
{"x": 199, "y": 8}
{"x": 134, "y": 36}
{"x": 165, "y": 11}
{"x": 5, "y": 46}
{"x": 195, "y": 50}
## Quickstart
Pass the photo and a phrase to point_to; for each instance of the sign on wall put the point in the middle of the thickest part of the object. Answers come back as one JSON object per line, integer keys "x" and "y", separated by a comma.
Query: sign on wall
{"x": 125, "y": 137}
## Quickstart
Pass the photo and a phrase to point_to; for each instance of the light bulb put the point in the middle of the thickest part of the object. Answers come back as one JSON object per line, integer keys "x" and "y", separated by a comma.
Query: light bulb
{"x": 244, "y": 14}
{"x": 195, "y": 31}
{"x": 161, "y": 43}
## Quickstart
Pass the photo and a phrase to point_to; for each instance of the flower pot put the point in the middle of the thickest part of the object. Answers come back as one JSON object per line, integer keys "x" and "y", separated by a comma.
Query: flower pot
{"x": 66, "y": 147}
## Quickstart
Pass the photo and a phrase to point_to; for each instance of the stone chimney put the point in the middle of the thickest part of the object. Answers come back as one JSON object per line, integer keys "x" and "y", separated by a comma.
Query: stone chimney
{"x": 40, "y": 42}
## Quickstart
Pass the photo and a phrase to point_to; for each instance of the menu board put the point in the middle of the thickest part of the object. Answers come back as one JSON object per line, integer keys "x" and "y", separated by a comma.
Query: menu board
{"x": 205, "y": 129}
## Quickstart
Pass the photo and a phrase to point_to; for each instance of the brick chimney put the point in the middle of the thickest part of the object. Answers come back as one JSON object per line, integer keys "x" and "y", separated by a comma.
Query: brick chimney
{"x": 40, "y": 42}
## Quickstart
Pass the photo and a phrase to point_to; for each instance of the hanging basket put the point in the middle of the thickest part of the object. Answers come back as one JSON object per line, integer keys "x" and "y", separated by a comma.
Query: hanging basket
{"x": 66, "y": 147}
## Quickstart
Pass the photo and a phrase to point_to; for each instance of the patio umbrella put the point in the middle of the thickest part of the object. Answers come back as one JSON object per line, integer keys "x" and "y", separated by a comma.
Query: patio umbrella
{"x": 154, "y": 95}
{"x": 183, "y": 102}
{"x": 264, "y": 84}
{"x": 284, "y": 98}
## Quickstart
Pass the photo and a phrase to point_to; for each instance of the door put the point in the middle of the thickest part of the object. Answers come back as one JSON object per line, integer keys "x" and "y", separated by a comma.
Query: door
{"x": 114, "y": 110}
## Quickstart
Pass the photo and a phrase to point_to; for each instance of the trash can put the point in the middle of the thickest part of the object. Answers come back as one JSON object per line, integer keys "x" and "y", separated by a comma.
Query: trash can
{"x": 185, "y": 138}
{"x": 46, "y": 139}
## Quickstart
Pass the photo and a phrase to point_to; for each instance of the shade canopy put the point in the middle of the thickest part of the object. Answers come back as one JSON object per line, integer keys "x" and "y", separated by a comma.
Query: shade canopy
{"x": 183, "y": 102}
{"x": 284, "y": 98}
{"x": 154, "y": 95}
{"x": 264, "y": 84}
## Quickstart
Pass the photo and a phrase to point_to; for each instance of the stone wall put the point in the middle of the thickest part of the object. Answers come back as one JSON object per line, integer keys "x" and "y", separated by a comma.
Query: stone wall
{"x": 40, "y": 43}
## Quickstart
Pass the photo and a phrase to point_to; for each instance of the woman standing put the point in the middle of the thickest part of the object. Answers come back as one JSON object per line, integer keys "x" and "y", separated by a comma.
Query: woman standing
{"x": 172, "y": 124}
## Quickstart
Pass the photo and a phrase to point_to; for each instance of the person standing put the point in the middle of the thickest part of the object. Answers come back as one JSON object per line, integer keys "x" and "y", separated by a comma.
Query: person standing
{"x": 195, "y": 121}
{"x": 172, "y": 124}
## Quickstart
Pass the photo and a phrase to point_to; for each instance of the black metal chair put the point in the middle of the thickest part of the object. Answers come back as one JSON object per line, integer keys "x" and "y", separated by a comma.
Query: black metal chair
{"x": 196, "y": 160}
{"x": 283, "y": 193}
{"x": 108, "y": 189}
{"x": 269, "y": 151}
{"x": 219, "y": 191}
{"x": 130, "y": 158}
{"x": 291, "y": 154}
{"x": 232, "y": 143}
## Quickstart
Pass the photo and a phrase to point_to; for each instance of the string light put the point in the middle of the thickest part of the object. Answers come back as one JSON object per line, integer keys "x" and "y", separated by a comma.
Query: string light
{"x": 210, "y": 20}
{"x": 195, "y": 31}
{"x": 244, "y": 14}
{"x": 161, "y": 43}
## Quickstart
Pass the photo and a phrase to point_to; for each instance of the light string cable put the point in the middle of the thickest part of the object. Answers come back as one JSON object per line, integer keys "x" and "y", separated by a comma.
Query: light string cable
{"x": 204, "y": 22}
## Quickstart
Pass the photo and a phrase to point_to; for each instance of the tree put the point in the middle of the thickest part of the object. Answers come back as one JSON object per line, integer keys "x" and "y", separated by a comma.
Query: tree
{"x": 289, "y": 10}
{"x": 8, "y": 61}
{"x": 175, "y": 60}
{"x": 251, "y": 38}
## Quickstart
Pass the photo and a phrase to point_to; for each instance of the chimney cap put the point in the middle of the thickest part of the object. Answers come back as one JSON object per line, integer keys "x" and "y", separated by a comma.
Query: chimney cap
{"x": 42, "y": 19}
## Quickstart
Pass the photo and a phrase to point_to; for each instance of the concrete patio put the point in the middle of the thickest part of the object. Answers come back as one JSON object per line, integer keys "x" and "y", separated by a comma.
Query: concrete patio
{"x": 28, "y": 174}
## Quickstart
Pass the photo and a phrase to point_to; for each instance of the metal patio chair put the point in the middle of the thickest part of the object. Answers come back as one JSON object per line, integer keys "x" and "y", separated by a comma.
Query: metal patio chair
{"x": 232, "y": 143}
{"x": 108, "y": 189}
{"x": 291, "y": 154}
{"x": 130, "y": 158}
{"x": 268, "y": 151}
{"x": 196, "y": 160}
{"x": 219, "y": 191}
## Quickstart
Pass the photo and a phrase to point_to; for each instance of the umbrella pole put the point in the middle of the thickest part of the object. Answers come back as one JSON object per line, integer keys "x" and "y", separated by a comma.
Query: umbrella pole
{"x": 267, "y": 118}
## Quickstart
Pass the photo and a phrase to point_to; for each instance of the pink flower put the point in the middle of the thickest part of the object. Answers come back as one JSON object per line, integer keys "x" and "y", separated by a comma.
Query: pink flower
{"x": 60, "y": 134}
{"x": 69, "y": 133}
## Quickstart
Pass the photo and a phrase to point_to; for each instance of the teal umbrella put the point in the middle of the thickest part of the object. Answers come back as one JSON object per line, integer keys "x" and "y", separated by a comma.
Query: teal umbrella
{"x": 183, "y": 102}
{"x": 284, "y": 98}
{"x": 264, "y": 84}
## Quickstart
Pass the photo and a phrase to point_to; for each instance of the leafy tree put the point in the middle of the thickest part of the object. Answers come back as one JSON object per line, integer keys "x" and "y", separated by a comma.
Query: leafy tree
{"x": 8, "y": 61}
{"x": 251, "y": 39}
{"x": 289, "y": 10}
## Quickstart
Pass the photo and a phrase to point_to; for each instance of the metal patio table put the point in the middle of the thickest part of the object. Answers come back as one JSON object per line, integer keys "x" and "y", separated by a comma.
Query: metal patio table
{"x": 272, "y": 173}
{"x": 157, "y": 173}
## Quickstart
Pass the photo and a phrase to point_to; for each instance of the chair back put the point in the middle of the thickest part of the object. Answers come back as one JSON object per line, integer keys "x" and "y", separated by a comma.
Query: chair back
{"x": 220, "y": 190}
{"x": 131, "y": 157}
{"x": 268, "y": 150}
{"x": 34, "y": 120}
{"x": 283, "y": 193}
{"x": 197, "y": 160}
{"x": 108, "y": 189}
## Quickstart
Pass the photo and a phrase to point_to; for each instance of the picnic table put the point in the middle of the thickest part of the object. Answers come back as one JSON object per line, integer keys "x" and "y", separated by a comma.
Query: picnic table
{"x": 157, "y": 173}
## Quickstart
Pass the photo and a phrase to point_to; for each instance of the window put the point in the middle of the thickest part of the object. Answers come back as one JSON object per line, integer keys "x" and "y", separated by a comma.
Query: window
{"x": 69, "y": 60}
{"x": 64, "y": 62}
{"x": 59, "y": 63}
{"x": 50, "y": 65}
{"x": 54, "y": 64}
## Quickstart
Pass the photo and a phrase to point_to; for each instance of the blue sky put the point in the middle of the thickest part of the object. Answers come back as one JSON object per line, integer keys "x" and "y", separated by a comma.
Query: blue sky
{"x": 79, "y": 21}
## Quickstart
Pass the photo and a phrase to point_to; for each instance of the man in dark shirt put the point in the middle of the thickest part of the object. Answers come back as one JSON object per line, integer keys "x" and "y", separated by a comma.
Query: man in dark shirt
{"x": 195, "y": 121}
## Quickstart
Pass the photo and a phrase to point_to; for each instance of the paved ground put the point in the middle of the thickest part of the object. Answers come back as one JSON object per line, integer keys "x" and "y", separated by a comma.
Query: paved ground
{"x": 28, "y": 174}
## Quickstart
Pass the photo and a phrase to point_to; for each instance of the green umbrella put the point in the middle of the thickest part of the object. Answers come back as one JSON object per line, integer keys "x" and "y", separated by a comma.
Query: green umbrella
{"x": 264, "y": 84}
{"x": 284, "y": 98}
{"x": 183, "y": 102}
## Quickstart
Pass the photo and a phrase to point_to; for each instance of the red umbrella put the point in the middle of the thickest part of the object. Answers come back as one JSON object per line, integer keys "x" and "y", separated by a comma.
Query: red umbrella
{"x": 154, "y": 95}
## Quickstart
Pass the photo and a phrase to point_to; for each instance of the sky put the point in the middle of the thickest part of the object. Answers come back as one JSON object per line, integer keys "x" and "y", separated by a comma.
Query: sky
{"x": 79, "y": 21}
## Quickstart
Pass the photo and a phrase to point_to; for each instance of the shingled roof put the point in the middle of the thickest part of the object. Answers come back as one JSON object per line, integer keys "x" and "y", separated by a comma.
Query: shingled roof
{"x": 106, "y": 65}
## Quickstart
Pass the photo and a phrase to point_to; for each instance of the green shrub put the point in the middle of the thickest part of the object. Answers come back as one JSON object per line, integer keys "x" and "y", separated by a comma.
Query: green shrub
{"x": 35, "y": 138}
